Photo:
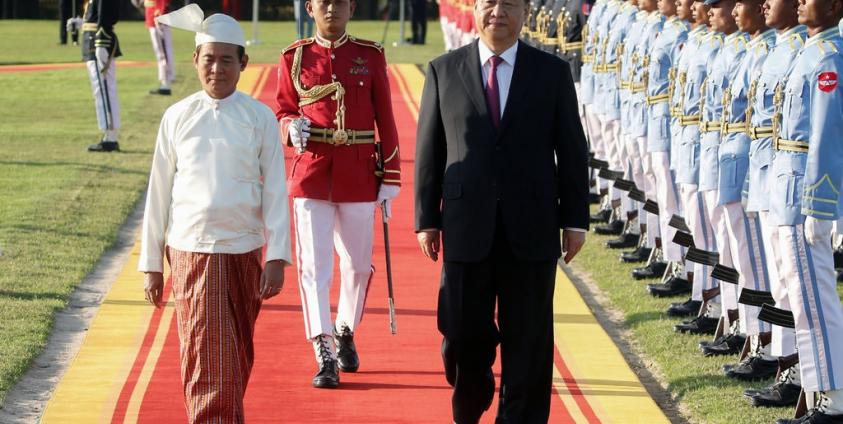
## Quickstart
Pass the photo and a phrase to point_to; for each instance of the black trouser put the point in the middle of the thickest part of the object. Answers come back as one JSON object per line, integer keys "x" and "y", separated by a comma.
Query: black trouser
{"x": 523, "y": 291}
{"x": 65, "y": 12}
{"x": 418, "y": 21}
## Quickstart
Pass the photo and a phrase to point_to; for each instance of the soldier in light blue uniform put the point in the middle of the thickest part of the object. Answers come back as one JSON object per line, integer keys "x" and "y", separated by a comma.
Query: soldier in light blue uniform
{"x": 805, "y": 200}
{"x": 790, "y": 37}
{"x": 688, "y": 168}
{"x": 628, "y": 63}
{"x": 744, "y": 230}
{"x": 586, "y": 88}
{"x": 610, "y": 112}
{"x": 698, "y": 274}
{"x": 609, "y": 129}
{"x": 662, "y": 57}
{"x": 720, "y": 71}
{"x": 637, "y": 123}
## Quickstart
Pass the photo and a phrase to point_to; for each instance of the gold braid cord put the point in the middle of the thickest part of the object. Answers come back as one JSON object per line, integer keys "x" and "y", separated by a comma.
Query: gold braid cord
{"x": 319, "y": 92}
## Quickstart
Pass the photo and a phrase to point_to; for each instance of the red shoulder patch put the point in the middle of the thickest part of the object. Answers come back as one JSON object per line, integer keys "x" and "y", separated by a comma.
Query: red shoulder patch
{"x": 827, "y": 81}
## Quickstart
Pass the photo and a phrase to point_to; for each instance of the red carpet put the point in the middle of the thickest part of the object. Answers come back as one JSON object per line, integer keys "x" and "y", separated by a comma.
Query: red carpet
{"x": 400, "y": 378}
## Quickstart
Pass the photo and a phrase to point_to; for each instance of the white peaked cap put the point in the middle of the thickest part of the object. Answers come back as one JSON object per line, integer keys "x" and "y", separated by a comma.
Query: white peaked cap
{"x": 217, "y": 28}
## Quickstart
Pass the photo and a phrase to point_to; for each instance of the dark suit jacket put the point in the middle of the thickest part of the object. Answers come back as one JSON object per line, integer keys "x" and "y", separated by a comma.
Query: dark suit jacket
{"x": 467, "y": 171}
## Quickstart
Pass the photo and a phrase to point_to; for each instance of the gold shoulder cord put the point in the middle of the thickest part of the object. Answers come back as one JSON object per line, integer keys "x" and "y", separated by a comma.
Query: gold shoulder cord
{"x": 750, "y": 103}
{"x": 318, "y": 92}
{"x": 778, "y": 99}
{"x": 726, "y": 101}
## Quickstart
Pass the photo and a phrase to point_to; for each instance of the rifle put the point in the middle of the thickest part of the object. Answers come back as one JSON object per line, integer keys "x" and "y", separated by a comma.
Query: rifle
{"x": 391, "y": 296}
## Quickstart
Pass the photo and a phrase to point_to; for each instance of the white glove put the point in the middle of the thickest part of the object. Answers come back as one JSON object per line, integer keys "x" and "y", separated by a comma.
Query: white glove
{"x": 103, "y": 58}
{"x": 386, "y": 193}
{"x": 299, "y": 132}
{"x": 817, "y": 230}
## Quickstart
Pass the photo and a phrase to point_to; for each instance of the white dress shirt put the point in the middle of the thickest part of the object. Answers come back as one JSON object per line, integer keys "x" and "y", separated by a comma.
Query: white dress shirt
{"x": 217, "y": 183}
{"x": 504, "y": 71}
{"x": 504, "y": 75}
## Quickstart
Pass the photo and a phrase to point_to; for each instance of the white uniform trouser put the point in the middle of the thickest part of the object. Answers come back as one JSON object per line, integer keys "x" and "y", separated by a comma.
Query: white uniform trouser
{"x": 696, "y": 217}
{"x": 321, "y": 227}
{"x": 749, "y": 259}
{"x": 610, "y": 133}
{"x": 162, "y": 45}
{"x": 783, "y": 340}
{"x": 668, "y": 199}
{"x": 104, "y": 88}
{"x": 592, "y": 123}
{"x": 717, "y": 217}
{"x": 636, "y": 171}
{"x": 817, "y": 312}
{"x": 653, "y": 229}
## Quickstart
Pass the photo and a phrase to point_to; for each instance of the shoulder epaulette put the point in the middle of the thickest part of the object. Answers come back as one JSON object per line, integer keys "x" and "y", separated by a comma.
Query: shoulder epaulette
{"x": 827, "y": 46}
{"x": 681, "y": 24}
{"x": 302, "y": 42}
{"x": 367, "y": 43}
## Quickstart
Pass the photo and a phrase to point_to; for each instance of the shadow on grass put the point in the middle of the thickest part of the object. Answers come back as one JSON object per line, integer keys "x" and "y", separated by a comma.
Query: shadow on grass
{"x": 80, "y": 165}
{"x": 30, "y": 296}
{"x": 639, "y": 318}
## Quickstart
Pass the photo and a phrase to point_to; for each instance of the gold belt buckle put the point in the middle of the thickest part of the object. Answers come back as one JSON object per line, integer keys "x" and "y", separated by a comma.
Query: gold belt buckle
{"x": 341, "y": 137}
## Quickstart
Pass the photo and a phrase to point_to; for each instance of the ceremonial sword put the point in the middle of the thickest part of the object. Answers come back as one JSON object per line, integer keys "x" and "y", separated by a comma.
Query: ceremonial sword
{"x": 391, "y": 296}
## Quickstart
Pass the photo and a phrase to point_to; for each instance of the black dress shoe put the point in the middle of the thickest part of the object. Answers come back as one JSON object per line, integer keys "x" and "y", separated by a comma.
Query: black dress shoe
{"x": 685, "y": 309}
{"x": 813, "y": 417}
{"x": 640, "y": 254}
{"x": 672, "y": 287}
{"x": 730, "y": 345}
{"x": 780, "y": 394}
{"x": 698, "y": 325}
{"x": 654, "y": 270}
{"x": 623, "y": 241}
{"x": 105, "y": 146}
{"x": 601, "y": 216}
{"x": 328, "y": 376}
{"x": 346, "y": 351}
{"x": 161, "y": 91}
{"x": 613, "y": 228}
{"x": 753, "y": 368}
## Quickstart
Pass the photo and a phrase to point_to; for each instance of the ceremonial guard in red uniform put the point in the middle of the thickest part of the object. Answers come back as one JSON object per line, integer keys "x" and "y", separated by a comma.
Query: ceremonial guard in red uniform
{"x": 332, "y": 94}
{"x": 162, "y": 45}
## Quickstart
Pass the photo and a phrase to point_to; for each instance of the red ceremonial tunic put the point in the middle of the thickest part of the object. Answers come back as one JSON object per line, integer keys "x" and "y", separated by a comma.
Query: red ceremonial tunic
{"x": 153, "y": 9}
{"x": 339, "y": 173}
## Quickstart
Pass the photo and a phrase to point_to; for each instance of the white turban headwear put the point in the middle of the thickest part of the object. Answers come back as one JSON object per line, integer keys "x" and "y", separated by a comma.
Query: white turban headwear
{"x": 217, "y": 28}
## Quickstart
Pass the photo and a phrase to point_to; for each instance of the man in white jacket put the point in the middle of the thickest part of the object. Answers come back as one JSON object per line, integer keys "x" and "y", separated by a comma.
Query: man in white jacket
{"x": 217, "y": 194}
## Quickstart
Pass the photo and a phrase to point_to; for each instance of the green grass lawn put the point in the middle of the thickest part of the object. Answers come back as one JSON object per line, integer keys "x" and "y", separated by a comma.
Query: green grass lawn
{"x": 696, "y": 381}
{"x": 60, "y": 206}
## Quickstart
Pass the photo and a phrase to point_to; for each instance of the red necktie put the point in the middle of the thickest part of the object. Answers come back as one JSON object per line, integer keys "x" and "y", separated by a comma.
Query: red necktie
{"x": 493, "y": 99}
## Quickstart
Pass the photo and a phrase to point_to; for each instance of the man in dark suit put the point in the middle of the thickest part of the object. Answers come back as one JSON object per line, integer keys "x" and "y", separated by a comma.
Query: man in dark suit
{"x": 500, "y": 169}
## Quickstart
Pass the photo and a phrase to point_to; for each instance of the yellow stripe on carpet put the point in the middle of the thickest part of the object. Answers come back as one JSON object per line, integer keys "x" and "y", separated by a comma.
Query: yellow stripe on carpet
{"x": 108, "y": 352}
{"x": 599, "y": 371}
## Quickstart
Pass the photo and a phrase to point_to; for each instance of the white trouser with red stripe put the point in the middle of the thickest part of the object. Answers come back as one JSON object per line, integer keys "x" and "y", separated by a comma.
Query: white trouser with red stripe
{"x": 162, "y": 45}
{"x": 783, "y": 340}
{"x": 321, "y": 228}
